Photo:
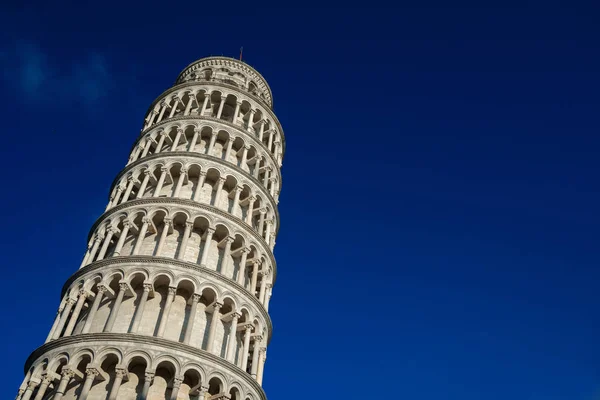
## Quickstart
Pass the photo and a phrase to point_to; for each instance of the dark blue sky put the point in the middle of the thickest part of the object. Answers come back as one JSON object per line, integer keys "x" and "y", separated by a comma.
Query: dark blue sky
{"x": 439, "y": 235}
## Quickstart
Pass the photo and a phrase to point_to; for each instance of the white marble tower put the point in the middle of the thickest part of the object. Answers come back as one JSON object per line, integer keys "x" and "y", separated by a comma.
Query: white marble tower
{"x": 171, "y": 300}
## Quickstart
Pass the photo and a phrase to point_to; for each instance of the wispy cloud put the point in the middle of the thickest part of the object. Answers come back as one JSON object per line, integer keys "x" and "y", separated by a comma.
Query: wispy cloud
{"x": 39, "y": 77}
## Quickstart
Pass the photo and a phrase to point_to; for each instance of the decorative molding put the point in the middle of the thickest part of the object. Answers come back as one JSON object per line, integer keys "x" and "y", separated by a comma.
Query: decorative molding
{"x": 212, "y": 119}
{"x": 113, "y": 339}
{"x": 176, "y": 154}
{"x": 229, "y": 62}
{"x": 188, "y": 84}
{"x": 149, "y": 260}
{"x": 194, "y": 205}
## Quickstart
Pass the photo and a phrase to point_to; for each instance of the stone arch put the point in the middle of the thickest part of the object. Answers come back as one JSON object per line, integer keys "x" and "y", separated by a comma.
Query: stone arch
{"x": 166, "y": 370}
{"x": 216, "y": 383}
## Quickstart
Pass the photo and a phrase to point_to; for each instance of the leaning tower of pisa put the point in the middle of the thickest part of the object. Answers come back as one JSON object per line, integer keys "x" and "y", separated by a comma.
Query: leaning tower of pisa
{"x": 171, "y": 300}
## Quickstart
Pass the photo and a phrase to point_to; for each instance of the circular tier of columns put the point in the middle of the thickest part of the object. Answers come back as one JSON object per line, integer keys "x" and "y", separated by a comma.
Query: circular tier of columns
{"x": 256, "y": 166}
{"x": 250, "y": 333}
{"x": 173, "y": 106}
{"x": 60, "y": 375}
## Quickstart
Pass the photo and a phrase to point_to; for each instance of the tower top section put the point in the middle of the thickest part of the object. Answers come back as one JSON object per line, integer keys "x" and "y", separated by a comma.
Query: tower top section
{"x": 229, "y": 71}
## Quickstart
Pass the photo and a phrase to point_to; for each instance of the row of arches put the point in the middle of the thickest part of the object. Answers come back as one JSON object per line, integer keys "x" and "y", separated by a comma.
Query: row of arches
{"x": 174, "y": 233}
{"x": 158, "y": 305}
{"x": 221, "y": 105}
{"x": 180, "y": 178}
{"x": 227, "y": 75}
{"x": 212, "y": 141}
{"x": 97, "y": 372}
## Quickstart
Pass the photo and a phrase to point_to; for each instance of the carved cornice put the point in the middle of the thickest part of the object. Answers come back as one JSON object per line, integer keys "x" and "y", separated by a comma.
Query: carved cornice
{"x": 113, "y": 340}
{"x": 228, "y": 61}
{"x": 172, "y": 154}
{"x": 238, "y": 128}
{"x": 96, "y": 265}
{"x": 217, "y": 84}
{"x": 194, "y": 205}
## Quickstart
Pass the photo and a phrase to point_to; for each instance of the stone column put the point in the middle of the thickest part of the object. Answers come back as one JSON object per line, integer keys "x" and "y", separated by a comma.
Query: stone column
{"x": 122, "y": 237}
{"x": 251, "y": 201}
{"x": 194, "y": 139}
{"x": 202, "y": 392}
{"x": 165, "y": 314}
{"x": 130, "y": 183}
{"x": 141, "y": 235}
{"x": 90, "y": 375}
{"x": 261, "y": 365}
{"x": 255, "y": 351}
{"x": 191, "y": 98}
{"x": 115, "y": 200}
{"x": 263, "y": 287}
{"x": 266, "y": 176}
{"x": 54, "y": 325}
{"x": 153, "y": 114}
{"x": 254, "y": 278}
{"x": 63, "y": 318}
{"x": 148, "y": 377}
{"x": 246, "y": 349}
{"x": 251, "y": 120}
{"x": 268, "y": 296}
{"x": 209, "y": 234}
{"x": 184, "y": 240}
{"x": 80, "y": 301}
{"x": 244, "y": 157}
{"x": 256, "y": 170}
{"x": 270, "y": 143}
{"x": 120, "y": 373}
{"x": 146, "y": 147}
{"x": 66, "y": 375}
{"x": 261, "y": 221}
{"x": 29, "y": 390}
{"x": 115, "y": 310}
{"x": 161, "y": 181}
{"x": 236, "y": 199}
{"x": 140, "y": 192}
{"x": 261, "y": 130}
{"x": 161, "y": 141}
{"x": 175, "y": 389}
{"x": 198, "y": 191}
{"x": 226, "y": 254}
{"x": 241, "y": 278}
{"x": 177, "y": 138}
{"x": 163, "y": 236}
{"x": 205, "y": 104}
{"x": 109, "y": 234}
{"x": 190, "y": 324}
{"x": 180, "y": 180}
{"x": 229, "y": 147}
{"x": 221, "y": 107}
{"x": 237, "y": 111}
{"x": 232, "y": 338}
{"x": 211, "y": 144}
{"x": 218, "y": 191}
{"x": 174, "y": 106}
{"x": 213, "y": 327}
{"x": 46, "y": 380}
{"x": 163, "y": 105}
{"x": 97, "y": 300}
{"x": 268, "y": 230}
{"x": 88, "y": 250}
{"x": 90, "y": 257}
{"x": 139, "y": 312}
